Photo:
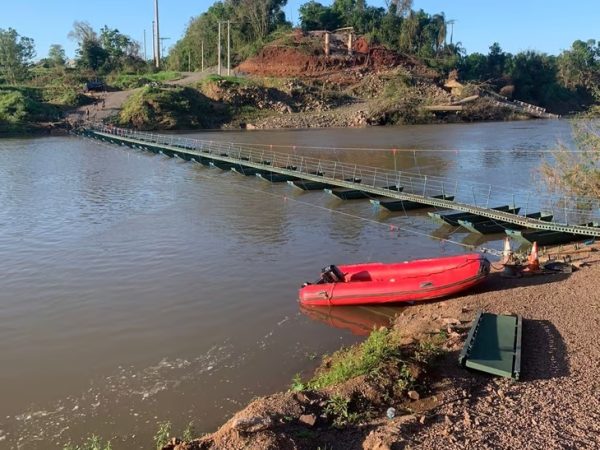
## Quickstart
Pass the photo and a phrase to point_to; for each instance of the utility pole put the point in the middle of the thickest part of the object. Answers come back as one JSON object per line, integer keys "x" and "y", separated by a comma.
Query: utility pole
{"x": 156, "y": 36}
{"x": 162, "y": 44}
{"x": 219, "y": 51}
{"x": 451, "y": 23}
{"x": 153, "y": 42}
{"x": 202, "y": 55}
{"x": 228, "y": 48}
{"x": 145, "y": 54}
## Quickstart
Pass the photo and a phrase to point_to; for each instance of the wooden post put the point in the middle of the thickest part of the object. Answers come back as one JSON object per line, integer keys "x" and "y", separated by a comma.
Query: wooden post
{"x": 350, "y": 43}
{"x": 327, "y": 43}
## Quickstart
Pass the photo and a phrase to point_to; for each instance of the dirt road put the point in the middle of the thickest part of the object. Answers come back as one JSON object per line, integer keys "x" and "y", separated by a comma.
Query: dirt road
{"x": 110, "y": 103}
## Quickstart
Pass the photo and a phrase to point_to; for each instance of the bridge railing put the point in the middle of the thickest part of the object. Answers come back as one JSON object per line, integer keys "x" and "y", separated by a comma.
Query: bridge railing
{"x": 478, "y": 194}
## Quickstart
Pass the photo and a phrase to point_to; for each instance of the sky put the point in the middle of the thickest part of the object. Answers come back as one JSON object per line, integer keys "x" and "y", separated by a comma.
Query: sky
{"x": 548, "y": 26}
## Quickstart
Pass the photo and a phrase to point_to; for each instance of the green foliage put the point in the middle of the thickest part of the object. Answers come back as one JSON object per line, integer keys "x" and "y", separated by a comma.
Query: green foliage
{"x": 229, "y": 79}
{"x": 106, "y": 52}
{"x": 162, "y": 434}
{"x": 577, "y": 174}
{"x": 406, "y": 380}
{"x": 167, "y": 108}
{"x": 15, "y": 54}
{"x": 188, "y": 432}
{"x": 253, "y": 24}
{"x": 91, "y": 55}
{"x": 360, "y": 360}
{"x": 339, "y": 408}
{"x": 56, "y": 56}
{"x": 297, "y": 384}
{"x": 315, "y": 16}
{"x": 19, "y": 105}
{"x": 129, "y": 81}
{"x": 92, "y": 443}
{"x": 580, "y": 66}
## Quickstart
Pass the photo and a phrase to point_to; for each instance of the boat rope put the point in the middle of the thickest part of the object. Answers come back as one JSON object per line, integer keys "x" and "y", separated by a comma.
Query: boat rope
{"x": 295, "y": 148}
{"x": 391, "y": 227}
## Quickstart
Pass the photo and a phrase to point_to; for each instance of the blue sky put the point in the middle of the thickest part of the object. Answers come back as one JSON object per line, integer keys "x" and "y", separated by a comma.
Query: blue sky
{"x": 549, "y": 26}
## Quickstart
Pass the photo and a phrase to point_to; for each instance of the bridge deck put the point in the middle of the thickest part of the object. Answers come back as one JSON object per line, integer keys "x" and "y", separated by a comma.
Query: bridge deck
{"x": 423, "y": 189}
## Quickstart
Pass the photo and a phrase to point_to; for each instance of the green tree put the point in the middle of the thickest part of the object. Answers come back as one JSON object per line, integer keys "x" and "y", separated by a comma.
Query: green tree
{"x": 473, "y": 67}
{"x": 580, "y": 66}
{"x": 16, "y": 53}
{"x": 91, "y": 55}
{"x": 315, "y": 16}
{"x": 496, "y": 62}
{"x": 534, "y": 76}
{"x": 56, "y": 56}
{"x": 389, "y": 32}
{"x": 120, "y": 48}
{"x": 264, "y": 16}
{"x": 421, "y": 34}
{"x": 253, "y": 22}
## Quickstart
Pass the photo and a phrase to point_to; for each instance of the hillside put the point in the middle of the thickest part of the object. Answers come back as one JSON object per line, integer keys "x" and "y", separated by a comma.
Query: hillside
{"x": 294, "y": 82}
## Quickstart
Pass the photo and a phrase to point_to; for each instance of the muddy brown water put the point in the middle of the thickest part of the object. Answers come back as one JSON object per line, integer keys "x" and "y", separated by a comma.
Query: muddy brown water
{"x": 137, "y": 289}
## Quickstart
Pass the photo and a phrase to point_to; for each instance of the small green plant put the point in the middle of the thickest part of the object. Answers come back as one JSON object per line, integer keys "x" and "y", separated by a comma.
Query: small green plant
{"x": 189, "y": 432}
{"x": 405, "y": 380}
{"x": 297, "y": 384}
{"x": 92, "y": 443}
{"x": 428, "y": 349}
{"x": 338, "y": 407}
{"x": 364, "y": 359}
{"x": 161, "y": 438}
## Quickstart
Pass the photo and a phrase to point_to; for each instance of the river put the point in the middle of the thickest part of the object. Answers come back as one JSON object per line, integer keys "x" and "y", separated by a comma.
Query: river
{"x": 137, "y": 289}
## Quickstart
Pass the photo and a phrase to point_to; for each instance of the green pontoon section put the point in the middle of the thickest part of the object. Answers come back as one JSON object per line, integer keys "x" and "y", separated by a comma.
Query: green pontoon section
{"x": 494, "y": 345}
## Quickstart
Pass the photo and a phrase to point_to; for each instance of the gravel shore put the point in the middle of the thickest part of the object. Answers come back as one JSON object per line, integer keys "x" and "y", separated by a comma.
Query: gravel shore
{"x": 557, "y": 402}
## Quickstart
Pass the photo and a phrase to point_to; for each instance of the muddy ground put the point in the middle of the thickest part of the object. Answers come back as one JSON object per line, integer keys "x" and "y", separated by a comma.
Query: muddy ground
{"x": 556, "y": 404}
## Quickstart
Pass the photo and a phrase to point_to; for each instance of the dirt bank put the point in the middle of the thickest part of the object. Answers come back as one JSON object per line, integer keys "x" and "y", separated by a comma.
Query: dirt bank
{"x": 555, "y": 405}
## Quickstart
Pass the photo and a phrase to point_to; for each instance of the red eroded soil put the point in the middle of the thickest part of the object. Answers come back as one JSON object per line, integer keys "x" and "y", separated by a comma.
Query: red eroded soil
{"x": 286, "y": 61}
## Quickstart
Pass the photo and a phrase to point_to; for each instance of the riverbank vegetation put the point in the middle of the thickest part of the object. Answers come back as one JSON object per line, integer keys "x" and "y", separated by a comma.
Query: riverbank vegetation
{"x": 42, "y": 91}
{"x": 577, "y": 173}
{"x": 167, "y": 108}
{"x": 386, "y": 375}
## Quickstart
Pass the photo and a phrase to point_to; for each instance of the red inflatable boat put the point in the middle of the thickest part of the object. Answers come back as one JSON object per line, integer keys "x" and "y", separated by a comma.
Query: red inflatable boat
{"x": 374, "y": 283}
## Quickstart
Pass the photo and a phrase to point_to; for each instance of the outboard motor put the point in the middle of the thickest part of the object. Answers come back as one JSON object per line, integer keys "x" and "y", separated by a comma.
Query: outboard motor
{"x": 332, "y": 274}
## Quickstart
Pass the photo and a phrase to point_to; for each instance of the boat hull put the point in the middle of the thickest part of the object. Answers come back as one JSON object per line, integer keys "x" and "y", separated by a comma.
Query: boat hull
{"x": 379, "y": 283}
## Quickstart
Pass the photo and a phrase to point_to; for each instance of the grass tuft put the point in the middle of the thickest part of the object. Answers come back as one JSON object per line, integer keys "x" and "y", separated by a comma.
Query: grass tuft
{"x": 360, "y": 360}
{"x": 92, "y": 443}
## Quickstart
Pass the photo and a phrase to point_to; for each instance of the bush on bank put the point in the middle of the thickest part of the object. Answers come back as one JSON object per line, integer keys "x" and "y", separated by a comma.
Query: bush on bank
{"x": 168, "y": 108}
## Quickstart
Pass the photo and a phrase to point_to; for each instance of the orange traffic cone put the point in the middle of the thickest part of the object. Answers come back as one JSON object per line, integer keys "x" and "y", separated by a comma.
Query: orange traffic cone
{"x": 533, "y": 262}
{"x": 507, "y": 252}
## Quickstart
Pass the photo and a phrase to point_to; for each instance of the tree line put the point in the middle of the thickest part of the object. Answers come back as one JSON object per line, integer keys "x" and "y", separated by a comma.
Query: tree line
{"x": 560, "y": 83}
{"x": 99, "y": 52}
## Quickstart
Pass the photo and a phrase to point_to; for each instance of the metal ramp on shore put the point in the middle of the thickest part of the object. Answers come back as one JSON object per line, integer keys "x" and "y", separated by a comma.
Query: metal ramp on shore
{"x": 494, "y": 345}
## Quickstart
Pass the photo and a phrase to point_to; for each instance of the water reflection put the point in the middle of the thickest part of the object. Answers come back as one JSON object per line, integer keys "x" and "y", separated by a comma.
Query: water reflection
{"x": 359, "y": 320}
